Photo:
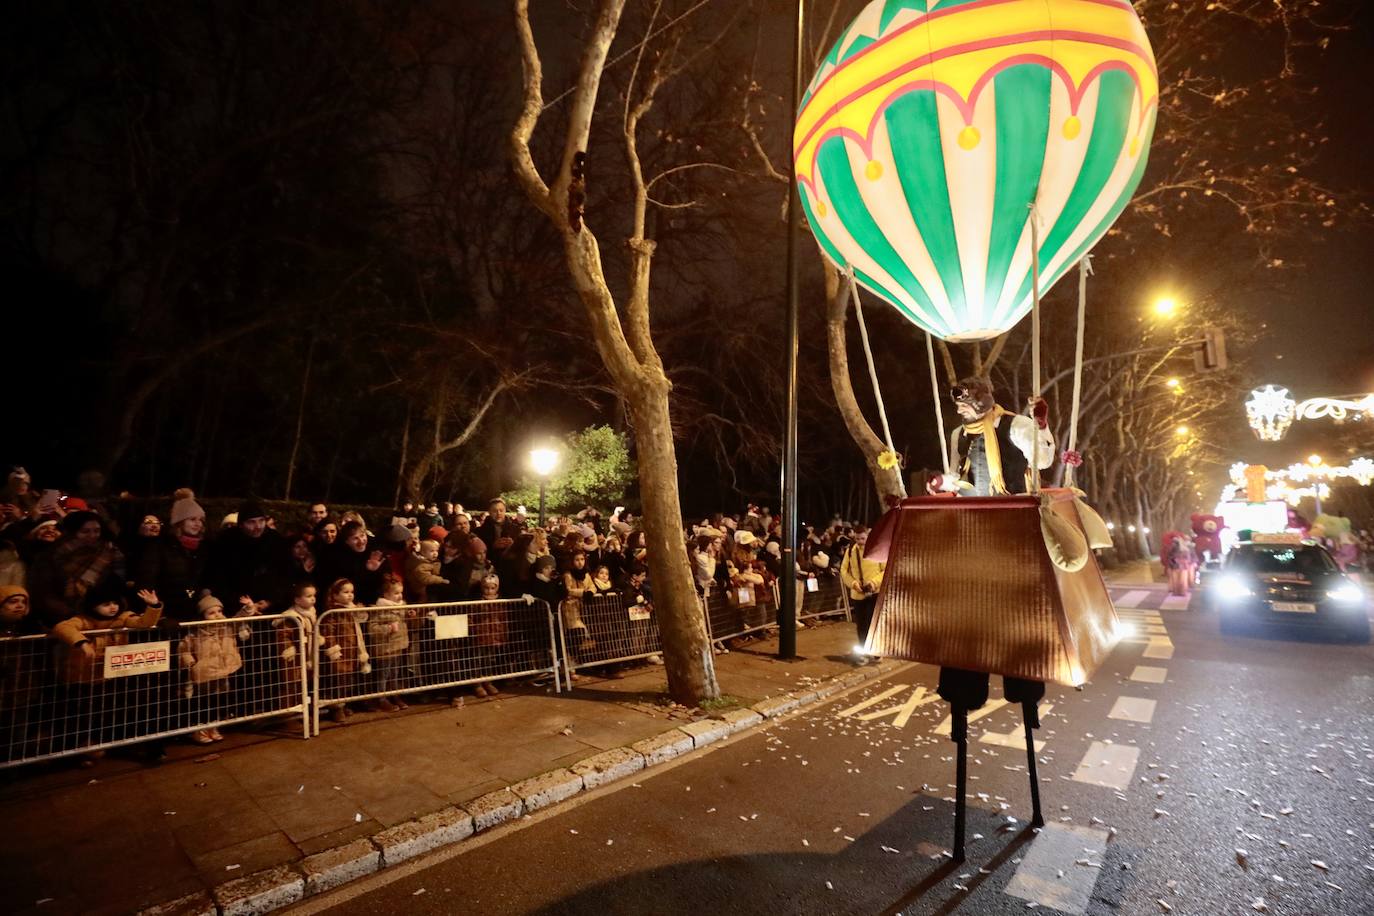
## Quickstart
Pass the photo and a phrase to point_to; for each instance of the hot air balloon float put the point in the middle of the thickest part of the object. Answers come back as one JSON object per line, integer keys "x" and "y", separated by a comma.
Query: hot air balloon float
{"x": 956, "y": 158}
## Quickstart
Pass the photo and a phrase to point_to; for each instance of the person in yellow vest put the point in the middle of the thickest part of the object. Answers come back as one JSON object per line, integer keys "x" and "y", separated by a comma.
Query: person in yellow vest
{"x": 863, "y": 578}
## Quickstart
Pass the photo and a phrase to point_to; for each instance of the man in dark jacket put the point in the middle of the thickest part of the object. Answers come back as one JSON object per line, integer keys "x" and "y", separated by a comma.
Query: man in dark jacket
{"x": 250, "y": 559}
{"x": 498, "y": 530}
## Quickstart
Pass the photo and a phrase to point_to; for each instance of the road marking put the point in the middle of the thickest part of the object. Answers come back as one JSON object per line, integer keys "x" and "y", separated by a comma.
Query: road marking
{"x": 991, "y": 707}
{"x": 1016, "y": 738}
{"x": 1054, "y": 852}
{"x": 902, "y": 713}
{"x": 1110, "y": 765}
{"x": 1159, "y": 647}
{"x": 1175, "y": 603}
{"x": 1132, "y": 599}
{"x": 1148, "y": 674}
{"x": 873, "y": 700}
{"x": 1133, "y": 709}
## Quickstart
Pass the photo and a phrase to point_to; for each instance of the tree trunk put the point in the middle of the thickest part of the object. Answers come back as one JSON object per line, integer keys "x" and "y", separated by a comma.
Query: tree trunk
{"x": 887, "y": 483}
{"x": 686, "y": 646}
{"x": 300, "y": 419}
{"x": 405, "y": 449}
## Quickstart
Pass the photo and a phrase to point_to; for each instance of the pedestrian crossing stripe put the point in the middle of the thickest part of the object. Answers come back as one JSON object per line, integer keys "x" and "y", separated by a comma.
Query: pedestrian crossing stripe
{"x": 1132, "y": 598}
{"x": 872, "y": 701}
{"x": 902, "y": 713}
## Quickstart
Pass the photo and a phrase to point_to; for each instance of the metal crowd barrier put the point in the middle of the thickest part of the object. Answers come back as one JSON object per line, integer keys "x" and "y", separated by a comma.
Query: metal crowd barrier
{"x": 616, "y": 629}
{"x": 822, "y": 597}
{"x": 730, "y": 614}
{"x": 143, "y": 684}
{"x": 376, "y": 652}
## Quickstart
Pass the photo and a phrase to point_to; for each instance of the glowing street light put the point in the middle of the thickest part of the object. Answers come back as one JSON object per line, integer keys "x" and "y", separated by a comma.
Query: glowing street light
{"x": 1182, "y": 431}
{"x": 1314, "y": 460}
{"x": 1174, "y": 383}
{"x": 543, "y": 461}
{"x": 1166, "y": 307}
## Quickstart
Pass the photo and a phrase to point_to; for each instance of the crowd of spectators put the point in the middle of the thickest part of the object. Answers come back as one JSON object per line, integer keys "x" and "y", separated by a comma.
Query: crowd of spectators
{"x": 68, "y": 570}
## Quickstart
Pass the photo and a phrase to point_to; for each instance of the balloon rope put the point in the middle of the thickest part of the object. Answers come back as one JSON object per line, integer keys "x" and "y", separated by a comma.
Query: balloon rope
{"x": 873, "y": 374}
{"x": 1035, "y": 342}
{"x": 1085, "y": 269}
{"x": 935, "y": 396}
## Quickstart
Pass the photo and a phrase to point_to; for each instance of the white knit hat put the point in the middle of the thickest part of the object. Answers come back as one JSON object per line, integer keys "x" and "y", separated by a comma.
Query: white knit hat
{"x": 185, "y": 507}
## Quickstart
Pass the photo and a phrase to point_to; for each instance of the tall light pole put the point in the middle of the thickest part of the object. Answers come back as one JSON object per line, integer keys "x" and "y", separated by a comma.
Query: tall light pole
{"x": 787, "y": 606}
{"x": 543, "y": 461}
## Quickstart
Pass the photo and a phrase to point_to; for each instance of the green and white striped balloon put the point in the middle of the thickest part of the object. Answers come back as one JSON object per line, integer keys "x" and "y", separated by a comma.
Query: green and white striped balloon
{"x": 933, "y": 126}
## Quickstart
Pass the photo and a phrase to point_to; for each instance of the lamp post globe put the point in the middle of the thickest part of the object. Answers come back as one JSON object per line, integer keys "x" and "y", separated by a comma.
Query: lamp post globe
{"x": 543, "y": 461}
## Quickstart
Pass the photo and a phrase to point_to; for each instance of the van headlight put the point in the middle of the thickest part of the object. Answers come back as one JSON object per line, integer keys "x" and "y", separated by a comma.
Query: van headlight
{"x": 1231, "y": 587}
{"x": 1348, "y": 593}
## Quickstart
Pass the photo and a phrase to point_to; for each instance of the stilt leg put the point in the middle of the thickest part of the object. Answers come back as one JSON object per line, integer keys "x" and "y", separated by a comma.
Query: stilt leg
{"x": 1031, "y": 716}
{"x": 959, "y": 732}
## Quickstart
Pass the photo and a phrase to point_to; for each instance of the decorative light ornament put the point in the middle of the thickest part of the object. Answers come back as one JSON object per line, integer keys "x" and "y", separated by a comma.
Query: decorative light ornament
{"x": 931, "y": 130}
{"x": 1338, "y": 409}
{"x": 1271, "y": 411}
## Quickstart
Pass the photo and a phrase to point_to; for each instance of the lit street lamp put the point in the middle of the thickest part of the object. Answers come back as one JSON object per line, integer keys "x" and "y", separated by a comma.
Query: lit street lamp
{"x": 1166, "y": 307}
{"x": 543, "y": 461}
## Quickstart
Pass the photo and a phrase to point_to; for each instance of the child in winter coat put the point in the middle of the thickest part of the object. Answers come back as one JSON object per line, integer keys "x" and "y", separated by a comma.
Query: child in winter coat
{"x": 95, "y": 714}
{"x": 19, "y": 677}
{"x": 492, "y": 632}
{"x": 345, "y": 657}
{"x": 390, "y": 638}
{"x": 577, "y": 581}
{"x": 422, "y": 571}
{"x": 296, "y": 627}
{"x": 209, "y": 654}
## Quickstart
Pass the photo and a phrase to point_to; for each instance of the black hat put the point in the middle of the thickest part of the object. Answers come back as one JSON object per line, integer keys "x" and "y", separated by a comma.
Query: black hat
{"x": 251, "y": 508}
{"x": 110, "y": 589}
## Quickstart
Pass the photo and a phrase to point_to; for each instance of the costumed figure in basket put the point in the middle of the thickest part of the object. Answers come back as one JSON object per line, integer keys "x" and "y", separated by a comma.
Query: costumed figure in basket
{"x": 956, "y": 160}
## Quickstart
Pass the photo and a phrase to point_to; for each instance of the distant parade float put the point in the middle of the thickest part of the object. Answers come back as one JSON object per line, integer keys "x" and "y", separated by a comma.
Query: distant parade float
{"x": 931, "y": 128}
{"x": 955, "y": 159}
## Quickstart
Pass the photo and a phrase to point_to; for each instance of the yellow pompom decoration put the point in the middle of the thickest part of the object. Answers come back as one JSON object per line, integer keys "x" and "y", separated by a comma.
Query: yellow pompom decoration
{"x": 888, "y": 460}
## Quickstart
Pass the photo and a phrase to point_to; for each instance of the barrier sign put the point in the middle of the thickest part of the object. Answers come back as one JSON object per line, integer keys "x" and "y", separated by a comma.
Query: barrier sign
{"x": 812, "y": 585}
{"x": 640, "y": 612}
{"x": 454, "y": 626}
{"x": 148, "y": 658}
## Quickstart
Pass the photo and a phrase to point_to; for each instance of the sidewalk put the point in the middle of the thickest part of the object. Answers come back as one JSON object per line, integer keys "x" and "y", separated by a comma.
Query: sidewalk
{"x": 123, "y": 836}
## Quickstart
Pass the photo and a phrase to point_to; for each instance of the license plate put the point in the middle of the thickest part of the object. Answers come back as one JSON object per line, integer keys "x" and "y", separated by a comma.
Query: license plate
{"x": 1294, "y": 607}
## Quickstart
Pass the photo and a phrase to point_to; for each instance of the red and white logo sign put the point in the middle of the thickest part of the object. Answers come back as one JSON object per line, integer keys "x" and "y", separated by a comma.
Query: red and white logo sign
{"x": 148, "y": 658}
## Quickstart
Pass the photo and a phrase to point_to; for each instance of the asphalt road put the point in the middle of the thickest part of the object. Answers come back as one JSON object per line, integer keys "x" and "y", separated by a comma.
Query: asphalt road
{"x": 1195, "y": 775}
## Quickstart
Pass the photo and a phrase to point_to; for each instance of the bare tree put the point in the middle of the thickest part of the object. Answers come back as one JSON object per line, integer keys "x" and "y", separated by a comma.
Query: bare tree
{"x": 625, "y": 343}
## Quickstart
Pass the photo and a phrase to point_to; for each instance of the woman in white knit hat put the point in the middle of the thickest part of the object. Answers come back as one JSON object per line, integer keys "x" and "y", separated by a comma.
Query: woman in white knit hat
{"x": 173, "y": 565}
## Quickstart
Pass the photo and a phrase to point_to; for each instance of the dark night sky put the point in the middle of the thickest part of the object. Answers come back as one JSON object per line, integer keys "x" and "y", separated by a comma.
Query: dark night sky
{"x": 1322, "y": 320}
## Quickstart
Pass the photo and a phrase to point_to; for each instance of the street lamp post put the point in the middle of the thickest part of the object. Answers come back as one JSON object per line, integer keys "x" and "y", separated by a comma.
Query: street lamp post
{"x": 543, "y": 460}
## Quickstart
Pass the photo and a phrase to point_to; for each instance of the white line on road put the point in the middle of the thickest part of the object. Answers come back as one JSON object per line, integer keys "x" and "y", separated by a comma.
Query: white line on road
{"x": 1110, "y": 765}
{"x": 1016, "y": 738}
{"x": 1132, "y": 599}
{"x": 902, "y": 714}
{"x": 1175, "y": 603}
{"x": 873, "y": 700}
{"x": 1159, "y": 647}
{"x": 1057, "y": 851}
{"x": 1149, "y": 674}
{"x": 1133, "y": 709}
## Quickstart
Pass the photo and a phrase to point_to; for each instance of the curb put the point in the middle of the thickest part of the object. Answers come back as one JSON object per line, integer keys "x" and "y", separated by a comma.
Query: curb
{"x": 283, "y": 885}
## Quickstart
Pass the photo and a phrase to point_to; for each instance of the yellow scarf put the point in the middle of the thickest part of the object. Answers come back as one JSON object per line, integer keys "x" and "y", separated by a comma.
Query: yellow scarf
{"x": 986, "y": 426}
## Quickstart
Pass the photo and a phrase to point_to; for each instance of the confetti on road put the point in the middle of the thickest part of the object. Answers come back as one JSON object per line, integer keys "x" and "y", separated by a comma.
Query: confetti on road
{"x": 417, "y": 892}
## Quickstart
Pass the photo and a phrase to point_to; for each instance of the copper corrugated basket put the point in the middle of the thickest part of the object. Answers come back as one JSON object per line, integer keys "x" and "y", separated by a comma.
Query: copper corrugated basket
{"x": 969, "y": 584}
